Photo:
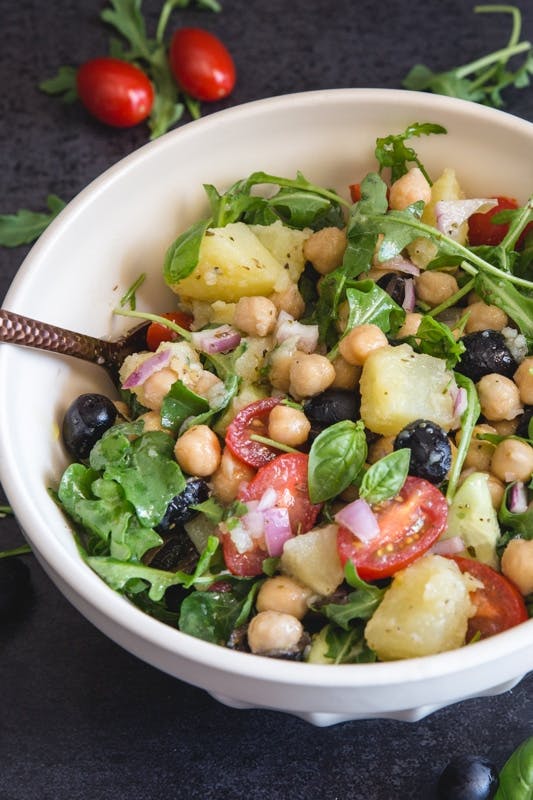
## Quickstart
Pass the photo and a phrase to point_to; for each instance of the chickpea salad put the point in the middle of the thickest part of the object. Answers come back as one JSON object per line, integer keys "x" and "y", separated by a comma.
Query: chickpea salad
{"x": 325, "y": 452}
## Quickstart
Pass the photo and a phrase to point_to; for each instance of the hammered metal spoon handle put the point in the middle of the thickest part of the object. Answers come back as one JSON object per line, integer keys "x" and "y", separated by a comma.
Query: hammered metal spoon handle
{"x": 18, "y": 329}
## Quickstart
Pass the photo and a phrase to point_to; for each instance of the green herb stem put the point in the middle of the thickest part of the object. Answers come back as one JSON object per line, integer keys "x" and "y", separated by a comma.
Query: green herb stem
{"x": 255, "y": 437}
{"x": 154, "y": 318}
{"x": 16, "y": 551}
{"x": 129, "y": 296}
{"x": 451, "y": 301}
{"x": 492, "y": 58}
{"x": 5, "y": 511}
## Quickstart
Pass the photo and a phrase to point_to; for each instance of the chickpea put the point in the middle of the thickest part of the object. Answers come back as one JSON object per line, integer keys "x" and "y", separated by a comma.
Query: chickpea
{"x": 505, "y": 427}
{"x": 357, "y": 345}
{"x": 289, "y": 300}
{"x": 310, "y": 374}
{"x": 288, "y": 425}
{"x": 496, "y": 489}
{"x": 408, "y": 189}
{"x": 517, "y": 564}
{"x": 198, "y": 451}
{"x": 152, "y": 422}
{"x": 434, "y": 288}
{"x": 499, "y": 397}
{"x": 255, "y": 315}
{"x": 346, "y": 375}
{"x": 325, "y": 249}
{"x": 156, "y": 387}
{"x": 479, "y": 452}
{"x": 512, "y": 461}
{"x": 380, "y": 448}
{"x": 274, "y": 631}
{"x": 482, "y": 317}
{"x": 285, "y": 595}
{"x": 230, "y": 475}
{"x": 410, "y": 325}
{"x": 206, "y": 382}
{"x": 523, "y": 378}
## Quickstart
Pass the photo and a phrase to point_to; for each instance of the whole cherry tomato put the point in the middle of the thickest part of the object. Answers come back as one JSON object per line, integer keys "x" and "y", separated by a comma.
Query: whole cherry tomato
{"x": 158, "y": 333}
{"x": 499, "y": 605}
{"x": 408, "y": 525}
{"x": 114, "y": 91}
{"x": 201, "y": 64}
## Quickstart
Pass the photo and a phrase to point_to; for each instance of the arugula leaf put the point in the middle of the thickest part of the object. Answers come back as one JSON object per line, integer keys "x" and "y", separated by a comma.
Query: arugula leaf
{"x": 210, "y": 616}
{"x": 360, "y": 604}
{"x": 516, "y": 304}
{"x": 179, "y": 404}
{"x": 391, "y": 151}
{"x": 468, "y": 420}
{"x": 347, "y": 646}
{"x": 336, "y": 458}
{"x": 484, "y": 79}
{"x": 64, "y": 83}
{"x": 436, "y": 339}
{"x": 26, "y": 226}
{"x": 16, "y": 551}
{"x": 522, "y": 523}
{"x": 385, "y": 478}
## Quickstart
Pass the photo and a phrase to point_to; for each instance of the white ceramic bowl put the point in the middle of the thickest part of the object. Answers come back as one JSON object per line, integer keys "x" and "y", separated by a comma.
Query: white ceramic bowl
{"x": 121, "y": 226}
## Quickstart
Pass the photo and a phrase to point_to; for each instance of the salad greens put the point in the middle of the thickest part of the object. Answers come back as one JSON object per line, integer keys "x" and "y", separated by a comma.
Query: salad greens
{"x": 336, "y": 458}
{"x": 26, "y": 226}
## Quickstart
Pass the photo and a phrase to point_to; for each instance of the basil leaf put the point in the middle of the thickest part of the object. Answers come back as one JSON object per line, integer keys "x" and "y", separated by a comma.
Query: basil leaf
{"x": 516, "y": 776}
{"x": 336, "y": 457}
{"x": 182, "y": 255}
{"x": 385, "y": 478}
{"x": 179, "y": 404}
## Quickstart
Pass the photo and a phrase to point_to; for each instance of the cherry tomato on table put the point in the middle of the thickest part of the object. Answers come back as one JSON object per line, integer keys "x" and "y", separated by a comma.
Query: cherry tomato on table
{"x": 158, "y": 333}
{"x": 201, "y": 64}
{"x": 499, "y": 604}
{"x": 252, "y": 419}
{"x": 114, "y": 91}
{"x": 409, "y": 525}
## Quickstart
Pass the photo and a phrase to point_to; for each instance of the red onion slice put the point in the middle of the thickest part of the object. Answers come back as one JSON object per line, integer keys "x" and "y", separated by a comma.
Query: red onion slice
{"x": 460, "y": 402}
{"x": 146, "y": 369}
{"x": 451, "y": 214}
{"x": 277, "y": 530}
{"x": 216, "y": 340}
{"x": 448, "y": 547}
{"x": 409, "y": 299}
{"x": 400, "y": 264}
{"x": 517, "y": 498}
{"x": 359, "y": 518}
{"x": 287, "y": 328}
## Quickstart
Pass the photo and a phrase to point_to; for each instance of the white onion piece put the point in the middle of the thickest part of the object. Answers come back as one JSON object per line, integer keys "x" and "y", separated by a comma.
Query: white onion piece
{"x": 451, "y": 214}
{"x": 287, "y": 328}
{"x": 517, "y": 498}
{"x": 146, "y": 369}
{"x": 252, "y": 505}
{"x": 448, "y": 547}
{"x": 409, "y": 299}
{"x": 241, "y": 539}
{"x": 216, "y": 340}
{"x": 254, "y": 523}
{"x": 460, "y": 402}
{"x": 277, "y": 530}
{"x": 267, "y": 500}
{"x": 359, "y": 518}
{"x": 400, "y": 264}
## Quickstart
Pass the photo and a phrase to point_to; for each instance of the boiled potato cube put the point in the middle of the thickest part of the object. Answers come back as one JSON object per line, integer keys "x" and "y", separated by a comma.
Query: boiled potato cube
{"x": 399, "y": 386}
{"x": 446, "y": 187}
{"x": 313, "y": 560}
{"x": 473, "y": 518}
{"x": 232, "y": 263}
{"x": 425, "y": 611}
{"x": 285, "y": 244}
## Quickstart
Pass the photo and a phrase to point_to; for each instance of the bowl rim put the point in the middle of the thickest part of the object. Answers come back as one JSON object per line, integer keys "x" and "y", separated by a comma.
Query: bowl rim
{"x": 93, "y": 590}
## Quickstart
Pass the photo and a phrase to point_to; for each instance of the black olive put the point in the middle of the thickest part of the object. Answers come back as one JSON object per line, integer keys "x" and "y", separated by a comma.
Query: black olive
{"x": 431, "y": 453}
{"x": 179, "y": 509}
{"x": 468, "y": 778}
{"x": 523, "y": 422}
{"x": 177, "y": 553}
{"x": 394, "y": 285}
{"x": 14, "y": 585}
{"x": 174, "y": 597}
{"x": 85, "y": 421}
{"x": 331, "y": 406}
{"x": 486, "y": 352}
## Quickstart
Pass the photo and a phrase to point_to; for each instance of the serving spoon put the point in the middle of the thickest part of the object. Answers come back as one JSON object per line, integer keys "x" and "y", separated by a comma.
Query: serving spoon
{"x": 18, "y": 329}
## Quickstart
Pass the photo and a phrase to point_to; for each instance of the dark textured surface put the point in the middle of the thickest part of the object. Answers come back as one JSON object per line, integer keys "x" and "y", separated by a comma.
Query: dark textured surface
{"x": 80, "y": 717}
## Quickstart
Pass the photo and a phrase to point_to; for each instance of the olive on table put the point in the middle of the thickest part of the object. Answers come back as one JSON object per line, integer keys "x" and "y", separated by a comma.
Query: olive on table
{"x": 85, "y": 421}
{"x": 14, "y": 585}
{"x": 431, "y": 452}
{"x": 179, "y": 509}
{"x": 486, "y": 353}
{"x": 468, "y": 778}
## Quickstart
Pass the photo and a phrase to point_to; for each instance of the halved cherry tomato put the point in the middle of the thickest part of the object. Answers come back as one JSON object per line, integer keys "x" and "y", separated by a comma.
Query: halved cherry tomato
{"x": 287, "y": 474}
{"x": 408, "y": 523}
{"x": 115, "y": 91}
{"x": 201, "y": 64}
{"x": 245, "y": 565}
{"x": 499, "y": 604}
{"x": 158, "y": 333}
{"x": 252, "y": 419}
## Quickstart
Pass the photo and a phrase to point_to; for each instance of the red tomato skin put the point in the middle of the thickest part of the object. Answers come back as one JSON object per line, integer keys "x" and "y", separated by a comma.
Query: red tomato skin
{"x": 499, "y": 604}
{"x": 201, "y": 64}
{"x": 114, "y": 91}
{"x": 355, "y": 192}
{"x": 287, "y": 474}
{"x": 246, "y": 565}
{"x": 158, "y": 333}
{"x": 480, "y": 228}
{"x": 419, "y": 503}
{"x": 253, "y": 418}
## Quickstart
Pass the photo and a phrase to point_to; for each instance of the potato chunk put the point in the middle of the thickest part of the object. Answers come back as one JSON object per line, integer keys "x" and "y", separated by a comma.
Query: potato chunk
{"x": 399, "y": 386}
{"x": 425, "y": 611}
{"x": 233, "y": 263}
{"x": 313, "y": 560}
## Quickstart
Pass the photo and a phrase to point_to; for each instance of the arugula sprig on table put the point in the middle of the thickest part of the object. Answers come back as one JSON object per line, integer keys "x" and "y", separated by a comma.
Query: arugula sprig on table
{"x": 484, "y": 79}
{"x": 25, "y": 226}
{"x": 150, "y": 53}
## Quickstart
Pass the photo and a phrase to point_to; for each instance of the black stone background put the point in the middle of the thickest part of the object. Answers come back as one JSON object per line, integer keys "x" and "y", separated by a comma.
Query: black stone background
{"x": 80, "y": 717}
